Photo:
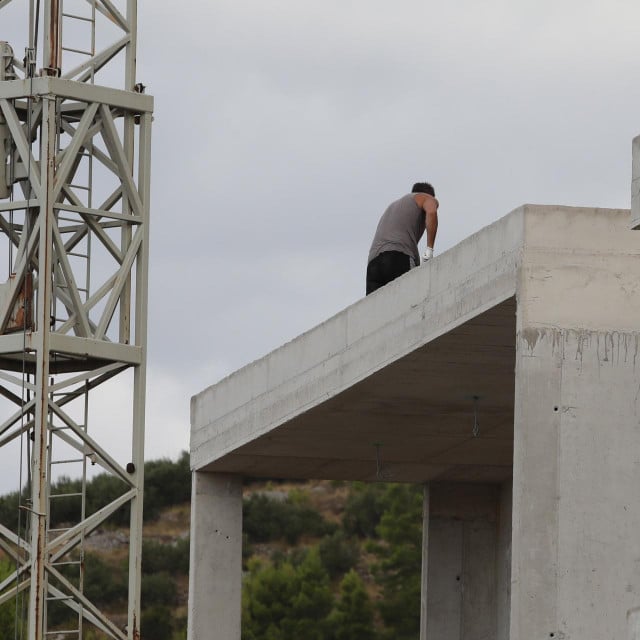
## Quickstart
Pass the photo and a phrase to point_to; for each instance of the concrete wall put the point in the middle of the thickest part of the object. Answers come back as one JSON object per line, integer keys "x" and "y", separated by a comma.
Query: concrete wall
{"x": 468, "y": 561}
{"x": 576, "y": 512}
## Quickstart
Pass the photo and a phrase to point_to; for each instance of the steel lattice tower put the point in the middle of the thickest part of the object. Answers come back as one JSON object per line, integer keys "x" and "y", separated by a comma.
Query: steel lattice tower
{"x": 74, "y": 212}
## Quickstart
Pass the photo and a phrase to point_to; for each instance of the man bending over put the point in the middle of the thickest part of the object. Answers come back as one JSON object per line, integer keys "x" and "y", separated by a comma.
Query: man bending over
{"x": 394, "y": 249}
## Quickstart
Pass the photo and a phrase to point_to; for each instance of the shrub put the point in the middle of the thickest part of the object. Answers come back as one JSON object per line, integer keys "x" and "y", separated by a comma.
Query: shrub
{"x": 158, "y": 588}
{"x": 172, "y": 558}
{"x": 338, "y": 553}
{"x": 155, "y": 623}
{"x": 167, "y": 483}
{"x": 102, "y": 584}
{"x": 266, "y": 519}
{"x": 364, "y": 508}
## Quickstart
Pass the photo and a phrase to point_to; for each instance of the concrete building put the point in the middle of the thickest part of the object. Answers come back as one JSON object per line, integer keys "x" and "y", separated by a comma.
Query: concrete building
{"x": 504, "y": 375}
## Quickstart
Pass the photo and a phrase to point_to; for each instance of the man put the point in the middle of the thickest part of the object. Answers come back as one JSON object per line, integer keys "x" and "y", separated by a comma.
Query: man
{"x": 394, "y": 249}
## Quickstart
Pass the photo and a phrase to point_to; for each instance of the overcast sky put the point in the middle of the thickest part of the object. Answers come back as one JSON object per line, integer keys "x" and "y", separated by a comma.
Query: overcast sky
{"x": 284, "y": 128}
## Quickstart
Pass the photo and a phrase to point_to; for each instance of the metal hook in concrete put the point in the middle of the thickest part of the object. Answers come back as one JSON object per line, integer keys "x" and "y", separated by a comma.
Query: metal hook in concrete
{"x": 476, "y": 425}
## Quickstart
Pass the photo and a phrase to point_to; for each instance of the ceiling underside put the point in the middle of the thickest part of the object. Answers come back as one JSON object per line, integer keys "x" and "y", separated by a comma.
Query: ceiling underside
{"x": 412, "y": 421}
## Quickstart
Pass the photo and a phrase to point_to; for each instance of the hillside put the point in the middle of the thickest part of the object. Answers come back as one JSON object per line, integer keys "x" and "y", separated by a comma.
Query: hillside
{"x": 321, "y": 560}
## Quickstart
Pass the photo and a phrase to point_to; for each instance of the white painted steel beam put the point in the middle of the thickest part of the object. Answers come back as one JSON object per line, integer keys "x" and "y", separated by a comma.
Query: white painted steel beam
{"x": 69, "y": 347}
{"x": 70, "y": 90}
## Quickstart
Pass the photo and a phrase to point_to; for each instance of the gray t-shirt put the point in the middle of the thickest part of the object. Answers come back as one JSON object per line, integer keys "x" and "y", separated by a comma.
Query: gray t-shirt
{"x": 399, "y": 229}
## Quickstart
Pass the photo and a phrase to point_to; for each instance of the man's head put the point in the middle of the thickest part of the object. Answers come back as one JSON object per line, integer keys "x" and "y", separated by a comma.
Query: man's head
{"x": 423, "y": 187}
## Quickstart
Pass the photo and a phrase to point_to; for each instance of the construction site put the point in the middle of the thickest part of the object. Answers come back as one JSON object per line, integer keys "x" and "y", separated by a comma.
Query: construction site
{"x": 500, "y": 376}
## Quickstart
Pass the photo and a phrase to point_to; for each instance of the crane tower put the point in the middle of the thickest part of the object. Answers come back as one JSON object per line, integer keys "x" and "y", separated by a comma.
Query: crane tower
{"x": 75, "y": 133}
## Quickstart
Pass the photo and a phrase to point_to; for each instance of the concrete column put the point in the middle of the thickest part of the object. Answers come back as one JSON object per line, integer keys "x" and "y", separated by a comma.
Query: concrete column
{"x": 215, "y": 576}
{"x": 503, "y": 561}
{"x": 462, "y": 539}
{"x": 425, "y": 564}
{"x": 576, "y": 473}
{"x": 576, "y": 550}
{"x": 535, "y": 499}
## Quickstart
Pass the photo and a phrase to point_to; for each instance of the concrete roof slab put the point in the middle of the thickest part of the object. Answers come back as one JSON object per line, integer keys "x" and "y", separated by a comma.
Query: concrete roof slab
{"x": 399, "y": 379}
{"x": 400, "y": 367}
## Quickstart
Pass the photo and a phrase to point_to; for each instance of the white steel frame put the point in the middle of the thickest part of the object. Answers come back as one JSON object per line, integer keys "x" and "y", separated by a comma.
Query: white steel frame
{"x": 79, "y": 338}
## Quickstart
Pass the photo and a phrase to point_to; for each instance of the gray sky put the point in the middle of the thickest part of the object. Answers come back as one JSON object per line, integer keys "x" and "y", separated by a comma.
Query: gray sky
{"x": 284, "y": 128}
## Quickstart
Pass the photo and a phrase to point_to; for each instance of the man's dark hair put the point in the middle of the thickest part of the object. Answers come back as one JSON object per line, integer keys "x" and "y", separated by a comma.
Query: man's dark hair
{"x": 423, "y": 187}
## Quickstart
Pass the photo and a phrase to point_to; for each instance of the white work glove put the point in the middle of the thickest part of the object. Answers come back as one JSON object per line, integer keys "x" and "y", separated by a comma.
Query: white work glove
{"x": 428, "y": 254}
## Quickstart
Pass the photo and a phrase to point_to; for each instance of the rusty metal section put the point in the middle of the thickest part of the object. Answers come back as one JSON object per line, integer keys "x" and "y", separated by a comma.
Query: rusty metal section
{"x": 55, "y": 46}
{"x": 21, "y": 315}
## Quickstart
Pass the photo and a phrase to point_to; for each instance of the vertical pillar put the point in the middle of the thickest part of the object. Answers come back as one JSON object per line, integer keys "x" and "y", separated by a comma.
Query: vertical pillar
{"x": 215, "y": 578}
{"x": 425, "y": 563}
{"x": 576, "y": 513}
{"x": 535, "y": 491}
{"x": 139, "y": 387}
{"x": 39, "y": 497}
{"x": 503, "y": 561}
{"x": 460, "y": 601}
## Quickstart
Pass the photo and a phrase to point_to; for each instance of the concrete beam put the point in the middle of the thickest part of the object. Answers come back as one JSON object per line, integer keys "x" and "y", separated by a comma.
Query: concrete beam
{"x": 368, "y": 337}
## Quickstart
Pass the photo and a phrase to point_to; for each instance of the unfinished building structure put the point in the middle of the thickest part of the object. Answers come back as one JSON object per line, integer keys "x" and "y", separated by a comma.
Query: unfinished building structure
{"x": 504, "y": 375}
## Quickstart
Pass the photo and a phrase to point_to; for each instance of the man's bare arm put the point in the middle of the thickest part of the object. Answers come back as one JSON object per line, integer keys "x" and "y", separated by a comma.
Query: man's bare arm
{"x": 430, "y": 206}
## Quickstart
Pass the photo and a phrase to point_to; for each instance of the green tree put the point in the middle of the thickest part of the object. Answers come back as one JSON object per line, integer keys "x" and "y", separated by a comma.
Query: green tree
{"x": 265, "y": 519}
{"x": 364, "y": 508}
{"x": 166, "y": 483}
{"x": 156, "y": 623}
{"x": 399, "y": 563}
{"x": 338, "y": 554}
{"x": 170, "y": 557}
{"x": 158, "y": 588}
{"x": 352, "y": 619}
{"x": 283, "y": 602}
{"x": 8, "y": 609}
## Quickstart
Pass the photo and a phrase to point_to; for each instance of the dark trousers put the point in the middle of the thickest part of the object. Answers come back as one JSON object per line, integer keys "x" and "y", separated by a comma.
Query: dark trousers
{"x": 386, "y": 267}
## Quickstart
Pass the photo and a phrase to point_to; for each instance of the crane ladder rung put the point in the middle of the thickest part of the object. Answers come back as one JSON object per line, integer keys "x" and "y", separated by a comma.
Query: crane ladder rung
{"x": 80, "y": 51}
{"x": 77, "y": 17}
{"x": 74, "y": 563}
{"x": 58, "y": 598}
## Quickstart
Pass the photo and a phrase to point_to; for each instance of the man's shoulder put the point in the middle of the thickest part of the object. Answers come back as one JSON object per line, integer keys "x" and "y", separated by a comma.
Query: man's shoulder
{"x": 408, "y": 197}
